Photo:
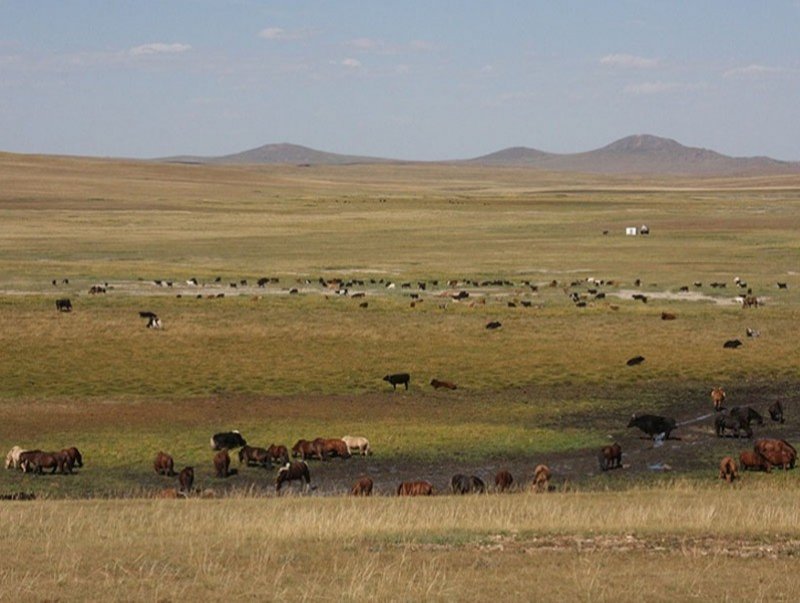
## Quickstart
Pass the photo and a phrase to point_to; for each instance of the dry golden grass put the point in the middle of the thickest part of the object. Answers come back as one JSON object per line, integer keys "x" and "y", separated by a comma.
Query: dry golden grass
{"x": 675, "y": 542}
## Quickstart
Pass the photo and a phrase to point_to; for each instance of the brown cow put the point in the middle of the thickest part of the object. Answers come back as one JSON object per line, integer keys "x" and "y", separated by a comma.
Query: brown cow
{"x": 437, "y": 384}
{"x": 222, "y": 463}
{"x": 541, "y": 478}
{"x": 777, "y": 452}
{"x": 253, "y": 455}
{"x": 296, "y": 470}
{"x": 610, "y": 457}
{"x": 278, "y": 453}
{"x": 503, "y": 480}
{"x": 186, "y": 479}
{"x": 164, "y": 465}
{"x": 416, "y": 488}
{"x": 74, "y": 455}
{"x": 728, "y": 470}
{"x": 363, "y": 487}
{"x": 717, "y": 398}
{"x": 750, "y": 460}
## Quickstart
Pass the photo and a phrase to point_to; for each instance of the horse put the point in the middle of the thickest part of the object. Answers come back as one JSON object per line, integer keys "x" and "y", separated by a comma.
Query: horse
{"x": 415, "y": 488}
{"x": 295, "y": 470}
{"x": 357, "y": 444}
{"x": 363, "y": 487}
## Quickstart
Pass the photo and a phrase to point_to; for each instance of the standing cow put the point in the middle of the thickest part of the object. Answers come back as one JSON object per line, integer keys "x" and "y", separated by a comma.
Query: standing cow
{"x": 653, "y": 425}
{"x": 398, "y": 379}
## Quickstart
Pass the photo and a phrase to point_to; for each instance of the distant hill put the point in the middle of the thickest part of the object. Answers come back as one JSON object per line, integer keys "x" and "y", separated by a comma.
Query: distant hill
{"x": 643, "y": 154}
{"x": 280, "y": 153}
{"x": 639, "y": 154}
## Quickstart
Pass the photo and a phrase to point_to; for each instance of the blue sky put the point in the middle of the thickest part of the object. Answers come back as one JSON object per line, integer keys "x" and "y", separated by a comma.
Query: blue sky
{"x": 411, "y": 80}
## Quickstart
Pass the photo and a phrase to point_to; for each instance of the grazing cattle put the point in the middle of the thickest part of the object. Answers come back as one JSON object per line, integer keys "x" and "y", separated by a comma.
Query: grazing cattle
{"x": 331, "y": 447}
{"x": 541, "y": 478}
{"x": 163, "y": 464}
{"x": 12, "y": 458}
{"x": 732, "y": 423}
{"x": 304, "y": 449}
{"x": 732, "y": 344}
{"x": 776, "y": 412}
{"x": 747, "y": 414}
{"x": 363, "y": 487}
{"x": 363, "y": 305}
{"x": 462, "y": 484}
{"x": 63, "y": 305}
{"x": 635, "y": 360}
{"x": 357, "y": 444}
{"x": 222, "y": 463}
{"x": 717, "y": 398}
{"x": 503, "y": 480}
{"x": 296, "y": 470}
{"x": 752, "y": 332}
{"x": 37, "y": 461}
{"x": 777, "y": 452}
{"x": 415, "y": 488}
{"x": 147, "y": 314}
{"x": 653, "y": 425}
{"x": 750, "y": 460}
{"x": 278, "y": 453}
{"x": 610, "y": 457}
{"x": 154, "y": 323}
{"x": 782, "y": 286}
{"x": 74, "y": 456}
{"x": 728, "y": 470}
{"x": 437, "y": 384}
{"x": 254, "y": 456}
{"x": 495, "y": 324}
{"x": 228, "y": 439}
{"x": 186, "y": 479}
{"x": 668, "y": 316}
{"x": 398, "y": 379}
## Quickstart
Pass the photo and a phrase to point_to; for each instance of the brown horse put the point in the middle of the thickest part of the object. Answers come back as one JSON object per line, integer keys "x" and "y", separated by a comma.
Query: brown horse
{"x": 254, "y": 456}
{"x": 330, "y": 447}
{"x": 541, "y": 478}
{"x": 610, "y": 457}
{"x": 186, "y": 479}
{"x": 37, "y": 461}
{"x": 74, "y": 455}
{"x": 222, "y": 463}
{"x": 415, "y": 488}
{"x": 777, "y": 452}
{"x": 750, "y": 460}
{"x": 717, "y": 398}
{"x": 363, "y": 487}
{"x": 503, "y": 480}
{"x": 163, "y": 464}
{"x": 728, "y": 470}
{"x": 278, "y": 453}
{"x": 304, "y": 449}
{"x": 296, "y": 470}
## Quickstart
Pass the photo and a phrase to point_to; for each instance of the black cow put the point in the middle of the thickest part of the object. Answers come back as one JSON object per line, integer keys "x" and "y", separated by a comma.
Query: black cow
{"x": 228, "y": 439}
{"x": 63, "y": 305}
{"x": 495, "y": 324}
{"x": 635, "y": 360}
{"x": 776, "y": 412}
{"x": 732, "y": 344}
{"x": 653, "y": 425}
{"x": 747, "y": 414}
{"x": 398, "y": 379}
{"x": 461, "y": 484}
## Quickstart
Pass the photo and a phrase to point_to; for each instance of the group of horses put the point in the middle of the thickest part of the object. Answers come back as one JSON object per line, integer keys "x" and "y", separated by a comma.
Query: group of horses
{"x": 36, "y": 461}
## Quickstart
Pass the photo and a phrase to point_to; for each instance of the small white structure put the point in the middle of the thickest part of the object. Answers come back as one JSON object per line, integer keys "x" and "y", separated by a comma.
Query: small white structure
{"x": 630, "y": 231}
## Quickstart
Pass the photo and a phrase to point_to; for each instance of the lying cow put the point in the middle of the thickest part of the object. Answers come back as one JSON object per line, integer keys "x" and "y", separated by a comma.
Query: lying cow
{"x": 728, "y": 470}
{"x": 653, "y": 425}
{"x": 357, "y": 444}
{"x": 610, "y": 457}
{"x": 415, "y": 488}
{"x": 363, "y": 487}
{"x": 164, "y": 465}
{"x": 437, "y": 384}
{"x": 296, "y": 470}
{"x": 398, "y": 379}
{"x": 229, "y": 439}
{"x": 503, "y": 480}
{"x": 462, "y": 484}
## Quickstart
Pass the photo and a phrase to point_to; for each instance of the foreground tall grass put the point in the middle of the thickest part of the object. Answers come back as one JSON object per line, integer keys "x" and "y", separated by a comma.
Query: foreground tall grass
{"x": 661, "y": 544}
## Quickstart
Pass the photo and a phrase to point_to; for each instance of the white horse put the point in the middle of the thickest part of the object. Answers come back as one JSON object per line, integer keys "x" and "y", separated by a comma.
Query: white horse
{"x": 12, "y": 458}
{"x": 357, "y": 444}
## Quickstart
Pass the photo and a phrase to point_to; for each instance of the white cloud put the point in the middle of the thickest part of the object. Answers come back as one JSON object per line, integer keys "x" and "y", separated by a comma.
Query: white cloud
{"x": 752, "y": 71}
{"x": 661, "y": 87}
{"x": 158, "y": 48}
{"x": 278, "y": 33}
{"x": 351, "y": 63}
{"x": 628, "y": 61}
